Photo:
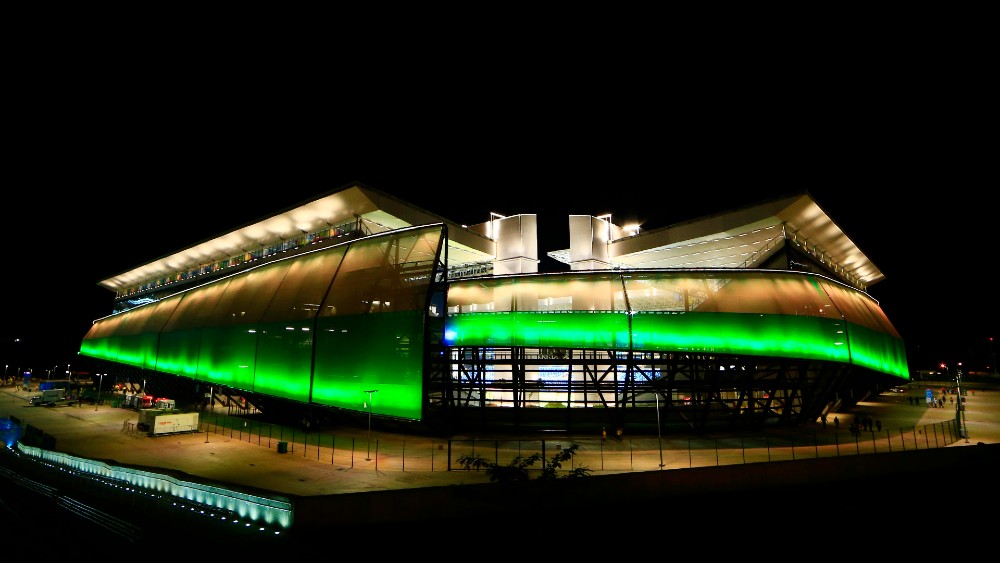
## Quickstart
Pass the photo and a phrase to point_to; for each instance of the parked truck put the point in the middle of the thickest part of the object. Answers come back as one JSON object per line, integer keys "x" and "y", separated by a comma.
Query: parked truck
{"x": 166, "y": 421}
{"x": 50, "y": 398}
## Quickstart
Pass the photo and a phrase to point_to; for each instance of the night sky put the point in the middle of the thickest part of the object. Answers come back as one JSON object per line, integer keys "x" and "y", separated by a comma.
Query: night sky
{"x": 102, "y": 183}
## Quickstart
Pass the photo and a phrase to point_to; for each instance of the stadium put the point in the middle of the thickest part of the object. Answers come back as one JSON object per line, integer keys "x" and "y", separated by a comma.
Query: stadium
{"x": 357, "y": 306}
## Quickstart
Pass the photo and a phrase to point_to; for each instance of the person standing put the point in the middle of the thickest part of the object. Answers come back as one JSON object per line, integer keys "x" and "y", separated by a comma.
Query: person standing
{"x": 836, "y": 423}
{"x": 604, "y": 435}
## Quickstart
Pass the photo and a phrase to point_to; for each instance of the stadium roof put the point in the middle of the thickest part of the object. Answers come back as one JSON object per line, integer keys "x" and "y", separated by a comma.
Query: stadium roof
{"x": 741, "y": 238}
{"x": 732, "y": 239}
{"x": 378, "y": 211}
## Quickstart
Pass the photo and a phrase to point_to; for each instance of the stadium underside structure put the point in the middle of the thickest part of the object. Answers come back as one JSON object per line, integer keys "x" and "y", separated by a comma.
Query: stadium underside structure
{"x": 373, "y": 326}
{"x": 673, "y": 390}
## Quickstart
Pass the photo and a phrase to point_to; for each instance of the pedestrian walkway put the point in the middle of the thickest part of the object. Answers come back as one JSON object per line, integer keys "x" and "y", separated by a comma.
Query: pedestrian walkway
{"x": 408, "y": 486}
{"x": 344, "y": 460}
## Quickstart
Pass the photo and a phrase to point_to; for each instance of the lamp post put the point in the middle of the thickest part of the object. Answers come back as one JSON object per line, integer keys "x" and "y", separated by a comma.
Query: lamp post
{"x": 659, "y": 434}
{"x": 99, "y": 385}
{"x": 961, "y": 403}
{"x": 211, "y": 400}
{"x": 994, "y": 357}
{"x": 370, "y": 391}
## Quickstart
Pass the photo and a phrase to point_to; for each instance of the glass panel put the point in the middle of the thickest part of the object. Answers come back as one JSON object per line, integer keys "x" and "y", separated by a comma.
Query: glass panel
{"x": 156, "y": 315}
{"x": 746, "y": 312}
{"x": 599, "y": 292}
{"x": 794, "y": 336}
{"x": 229, "y": 339}
{"x": 370, "y": 333}
{"x": 180, "y": 340}
{"x": 553, "y": 311}
{"x": 285, "y": 332}
{"x": 875, "y": 344}
{"x": 772, "y": 292}
{"x": 758, "y": 313}
{"x": 100, "y": 340}
{"x": 665, "y": 292}
{"x": 860, "y": 309}
{"x": 479, "y": 296}
{"x": 129, "y": 337}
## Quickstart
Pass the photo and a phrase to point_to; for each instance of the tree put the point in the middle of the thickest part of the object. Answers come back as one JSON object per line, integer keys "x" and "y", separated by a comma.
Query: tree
{"x": 517, "y": 470}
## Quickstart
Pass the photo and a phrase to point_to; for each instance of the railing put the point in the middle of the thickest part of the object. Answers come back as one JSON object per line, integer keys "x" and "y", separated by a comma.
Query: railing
{"x": 600, "y": 456}
{"x": 272, "y": 511}
{"x": 640, "y": 453}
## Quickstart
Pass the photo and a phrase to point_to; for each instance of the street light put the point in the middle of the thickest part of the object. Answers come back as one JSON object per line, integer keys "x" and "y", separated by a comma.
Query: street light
{"x": 101, "y": 383}
{"x": 961, "y": 403}
{"x": 211, "y": 400}
{"x": 370, "y": 391}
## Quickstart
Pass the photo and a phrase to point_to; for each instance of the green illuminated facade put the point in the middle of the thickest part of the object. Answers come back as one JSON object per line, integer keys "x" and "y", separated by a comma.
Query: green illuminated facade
{"x": 784, "y": 314}
{"x": 703, "y": 347}
{"x": 319, "y": 327}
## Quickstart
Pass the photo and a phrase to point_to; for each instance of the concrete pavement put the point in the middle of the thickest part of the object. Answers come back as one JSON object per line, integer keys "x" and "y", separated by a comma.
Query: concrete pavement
{"x": 225, "y": 455}
{"x": 407, "y": 480}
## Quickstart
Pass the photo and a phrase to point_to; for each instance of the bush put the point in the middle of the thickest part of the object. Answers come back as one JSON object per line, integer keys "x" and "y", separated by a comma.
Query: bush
{"x": 517, "y": 470}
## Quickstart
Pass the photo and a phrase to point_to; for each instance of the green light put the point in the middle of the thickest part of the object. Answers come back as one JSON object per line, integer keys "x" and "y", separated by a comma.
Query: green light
{"x": 792, "y": 336}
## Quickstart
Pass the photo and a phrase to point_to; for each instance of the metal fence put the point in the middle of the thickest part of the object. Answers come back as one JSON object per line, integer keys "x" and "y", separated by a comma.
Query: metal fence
{"x": 611, "y": 455}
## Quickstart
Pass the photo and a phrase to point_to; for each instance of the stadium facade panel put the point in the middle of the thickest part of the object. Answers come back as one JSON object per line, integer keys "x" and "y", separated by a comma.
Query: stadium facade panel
{"x": 320, "y": 327}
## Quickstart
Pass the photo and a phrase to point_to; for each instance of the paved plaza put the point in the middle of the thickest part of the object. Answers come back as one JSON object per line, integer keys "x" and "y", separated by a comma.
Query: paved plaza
{"x": 229, "y": 450}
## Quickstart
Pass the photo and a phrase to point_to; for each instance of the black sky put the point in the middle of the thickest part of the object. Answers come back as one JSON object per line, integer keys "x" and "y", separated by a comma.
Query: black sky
{"x": 109, "y": 170}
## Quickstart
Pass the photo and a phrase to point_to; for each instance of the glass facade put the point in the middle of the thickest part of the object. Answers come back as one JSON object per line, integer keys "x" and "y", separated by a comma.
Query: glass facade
{"x": 736, "y": 312}
{"x": 327, "y": 326}
{"x": 698, "y": 347}
{"x": 320, "y": 327}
